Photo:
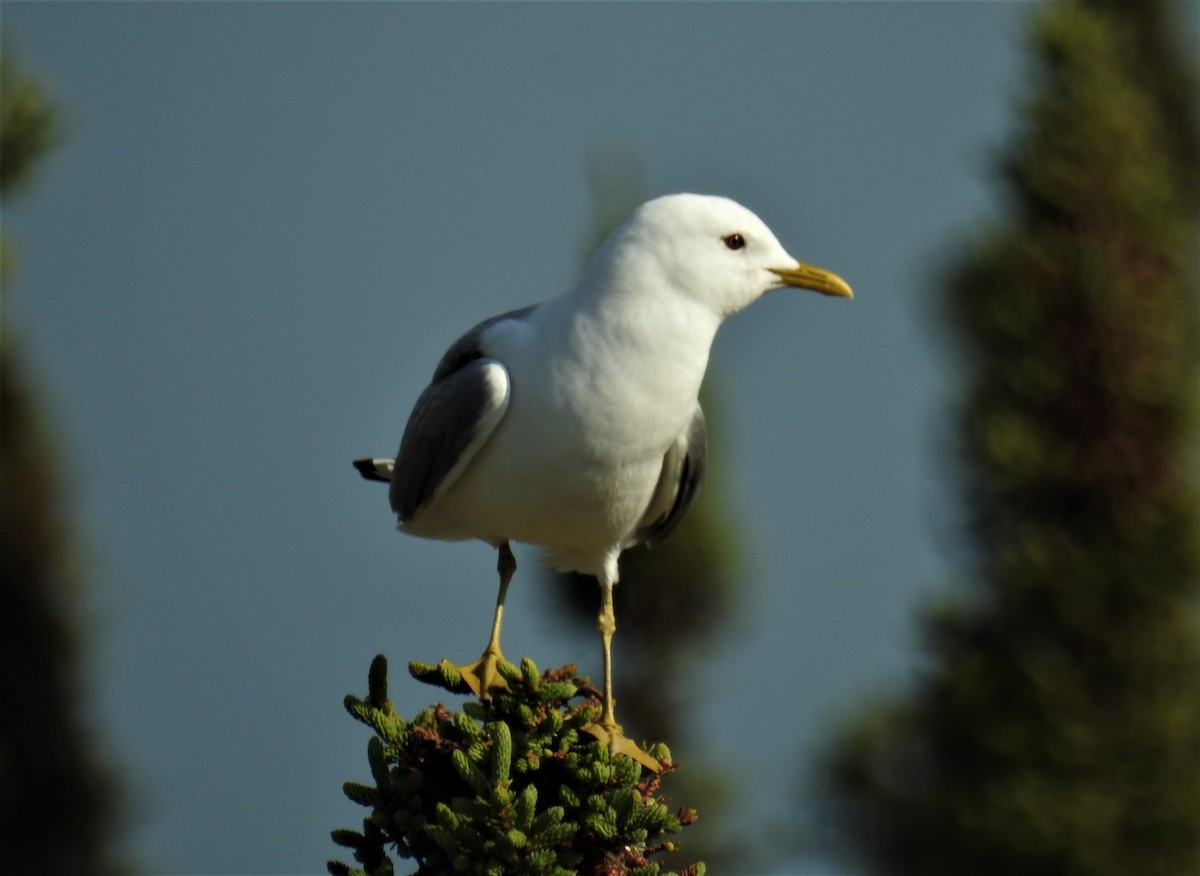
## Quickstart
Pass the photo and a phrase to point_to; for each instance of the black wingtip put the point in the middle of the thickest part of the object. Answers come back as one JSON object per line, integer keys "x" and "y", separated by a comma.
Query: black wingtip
{"x": 366, "y": 468}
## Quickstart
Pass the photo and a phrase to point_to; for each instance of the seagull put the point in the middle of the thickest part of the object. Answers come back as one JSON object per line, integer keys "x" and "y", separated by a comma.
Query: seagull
{"x": 574, "y": 424}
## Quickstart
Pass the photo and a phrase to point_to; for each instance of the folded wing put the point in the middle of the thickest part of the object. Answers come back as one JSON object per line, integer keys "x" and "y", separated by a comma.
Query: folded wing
{"x": 683, "y": 470}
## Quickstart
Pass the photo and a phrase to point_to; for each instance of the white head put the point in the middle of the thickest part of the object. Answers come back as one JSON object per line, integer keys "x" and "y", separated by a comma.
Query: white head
{"x": 711, "y": 249}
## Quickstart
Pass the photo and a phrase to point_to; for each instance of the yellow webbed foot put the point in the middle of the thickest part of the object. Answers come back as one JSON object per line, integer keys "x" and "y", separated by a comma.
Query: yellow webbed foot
{"x": 619, "y": 743}
{"x": 483, "y": 676}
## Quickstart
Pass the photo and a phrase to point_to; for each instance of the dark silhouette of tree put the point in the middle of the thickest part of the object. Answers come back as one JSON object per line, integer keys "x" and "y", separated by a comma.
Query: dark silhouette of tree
{"x": 1057, "y": 727}
{"x": 56, "y": 797}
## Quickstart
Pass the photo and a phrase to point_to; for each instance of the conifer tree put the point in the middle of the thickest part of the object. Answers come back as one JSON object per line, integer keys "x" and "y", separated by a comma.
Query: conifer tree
{"x": 56, "y": 796}
{"x": 515, "y": 785}
{"x": 1057, "y": 728}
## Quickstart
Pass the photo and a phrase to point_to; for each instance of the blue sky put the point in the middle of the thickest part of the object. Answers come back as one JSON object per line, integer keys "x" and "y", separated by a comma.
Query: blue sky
{"x": 268, "y": 220}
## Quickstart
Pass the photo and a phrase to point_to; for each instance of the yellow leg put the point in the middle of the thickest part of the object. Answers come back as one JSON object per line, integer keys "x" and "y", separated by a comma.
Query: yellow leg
{"x": 606, "y": 624}
{"x": 482, "y": 676}
{"x": 608, "y": 730}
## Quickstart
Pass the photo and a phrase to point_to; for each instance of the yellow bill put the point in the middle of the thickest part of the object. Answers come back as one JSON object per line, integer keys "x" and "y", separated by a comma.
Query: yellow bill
{"x": 804, "y": 276}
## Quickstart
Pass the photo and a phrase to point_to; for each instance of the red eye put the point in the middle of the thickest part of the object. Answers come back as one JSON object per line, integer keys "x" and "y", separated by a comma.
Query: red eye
{"x": 734, "y": 241}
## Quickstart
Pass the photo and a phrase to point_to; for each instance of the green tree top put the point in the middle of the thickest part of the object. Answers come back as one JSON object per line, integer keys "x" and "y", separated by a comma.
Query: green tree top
{"x": 514, "y": 785}
{"x": 1057, "y": 729}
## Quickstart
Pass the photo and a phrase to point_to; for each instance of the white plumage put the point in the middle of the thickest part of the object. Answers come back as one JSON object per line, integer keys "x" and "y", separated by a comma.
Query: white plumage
{"x": 575, "y": 424}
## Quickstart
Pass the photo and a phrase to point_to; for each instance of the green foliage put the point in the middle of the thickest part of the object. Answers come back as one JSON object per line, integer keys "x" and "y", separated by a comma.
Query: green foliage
{"x": 511, "y": 786}
{"x": 28, "y": 129}
{"x": 28, "y": 126}
{"x": 1057, "y": 730}
{"x": 57, "y": 795}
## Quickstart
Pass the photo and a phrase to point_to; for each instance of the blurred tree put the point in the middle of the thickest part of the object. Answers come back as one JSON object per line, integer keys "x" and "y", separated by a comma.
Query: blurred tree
{"x": 675, "y": 601}
{"x": 1057, "y": 728}
{"x": 56, "y": 799}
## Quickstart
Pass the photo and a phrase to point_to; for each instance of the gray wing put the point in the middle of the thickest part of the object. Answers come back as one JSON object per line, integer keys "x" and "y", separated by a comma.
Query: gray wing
{"x": 684, "y": 466}
{"x": 452, "y": 419}
{"x": 448, "y": 425}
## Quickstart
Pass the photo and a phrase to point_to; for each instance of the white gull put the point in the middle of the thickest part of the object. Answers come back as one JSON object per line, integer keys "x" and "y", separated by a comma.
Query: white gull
{"x": 575, "y": 424}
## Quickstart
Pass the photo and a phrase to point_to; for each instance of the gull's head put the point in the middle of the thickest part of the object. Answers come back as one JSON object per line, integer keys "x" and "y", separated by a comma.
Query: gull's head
{"x": 711, "y": 249}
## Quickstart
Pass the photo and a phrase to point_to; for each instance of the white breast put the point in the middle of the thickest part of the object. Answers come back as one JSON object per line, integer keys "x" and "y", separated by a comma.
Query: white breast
{"x": 595, "y": 405}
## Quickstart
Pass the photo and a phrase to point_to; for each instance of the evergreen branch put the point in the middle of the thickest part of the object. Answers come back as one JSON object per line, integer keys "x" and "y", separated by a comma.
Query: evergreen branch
{"x": 511, "y": 786}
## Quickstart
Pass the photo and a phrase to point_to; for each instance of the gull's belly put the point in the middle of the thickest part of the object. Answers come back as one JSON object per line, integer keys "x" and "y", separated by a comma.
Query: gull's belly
{"x": 535, "y": 484}
{"x": 574, "y": 462}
